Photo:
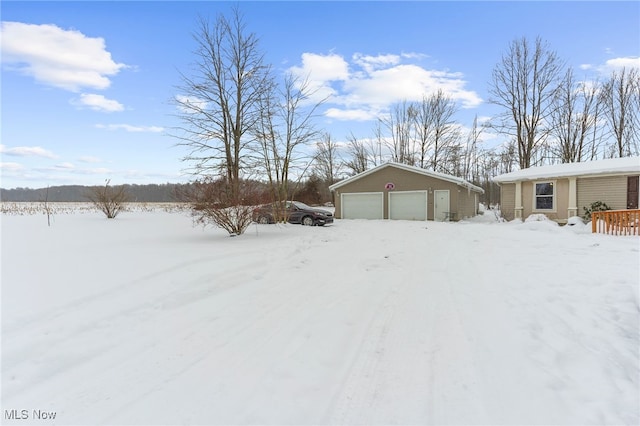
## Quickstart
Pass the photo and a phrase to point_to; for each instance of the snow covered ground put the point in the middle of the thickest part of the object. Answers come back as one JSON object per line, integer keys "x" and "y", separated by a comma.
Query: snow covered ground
{"x": 146, "y": 320}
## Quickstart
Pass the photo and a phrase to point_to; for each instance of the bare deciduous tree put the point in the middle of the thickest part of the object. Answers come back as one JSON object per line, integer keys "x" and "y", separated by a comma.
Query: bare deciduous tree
{"x": 435, "y": 126}
{"x": 327, "y": 161}
{"x": 285, "y": 126}
{"x": 399, "y": 124}
{"x": 524, "y": 83}
{"x": 109, "y": 200}
{"x": 471, "y": 171}
{"x": 620, "y": 98}
{"x": 375, "y": 145}
{"x": 220, "y": 104}
{"x": 574, "y": 118}
{"x": 358, "y": 160}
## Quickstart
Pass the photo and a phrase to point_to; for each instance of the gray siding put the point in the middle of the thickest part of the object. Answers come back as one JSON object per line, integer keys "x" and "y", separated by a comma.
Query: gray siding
{"x": 611, "y": 190}
{"x": 466, "y": 204}
{"x": 508, "y": 200}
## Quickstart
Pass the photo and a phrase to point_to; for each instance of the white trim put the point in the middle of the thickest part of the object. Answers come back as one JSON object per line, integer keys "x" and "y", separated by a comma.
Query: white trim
{"x": 361, "y": 193}
{"x": 426, "y": 201}
{"x": 518, "y": 208}
{"x": 572, "y": 210}
{"x": 554, "y": 208}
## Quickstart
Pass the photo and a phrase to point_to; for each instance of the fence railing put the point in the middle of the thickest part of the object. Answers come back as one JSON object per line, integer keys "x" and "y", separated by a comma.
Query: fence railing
{"x": 616, "y": 222}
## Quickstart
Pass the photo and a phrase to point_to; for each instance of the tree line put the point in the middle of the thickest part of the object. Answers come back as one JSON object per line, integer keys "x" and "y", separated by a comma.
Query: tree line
{"x": 148, "y": 193}
{"x": 243, "y": 123}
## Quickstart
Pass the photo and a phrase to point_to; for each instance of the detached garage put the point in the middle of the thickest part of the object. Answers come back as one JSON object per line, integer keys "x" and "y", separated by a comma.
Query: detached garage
{"x": 399, "y": 191}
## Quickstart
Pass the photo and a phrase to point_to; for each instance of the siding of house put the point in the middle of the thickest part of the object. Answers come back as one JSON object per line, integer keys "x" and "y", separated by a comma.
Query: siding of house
{"x": 508, "y": 200}
{"x": 611, "y": 190}
{"x": 405, "y": 180}
{"x": 562, "y": 200}
{"x": 467, "y": 206}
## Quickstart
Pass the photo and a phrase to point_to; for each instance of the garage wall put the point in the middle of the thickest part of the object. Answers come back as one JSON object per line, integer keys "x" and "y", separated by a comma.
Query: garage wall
{"x": 467, "y": 204}
{"x": 405, "y": 180}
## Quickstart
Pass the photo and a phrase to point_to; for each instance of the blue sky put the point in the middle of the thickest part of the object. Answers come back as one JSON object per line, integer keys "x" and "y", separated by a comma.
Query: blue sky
{"x": 87, "y": 86}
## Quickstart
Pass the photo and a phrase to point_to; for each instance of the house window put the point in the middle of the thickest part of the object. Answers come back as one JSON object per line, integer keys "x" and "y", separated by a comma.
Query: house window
{"x": 544, "y": 196}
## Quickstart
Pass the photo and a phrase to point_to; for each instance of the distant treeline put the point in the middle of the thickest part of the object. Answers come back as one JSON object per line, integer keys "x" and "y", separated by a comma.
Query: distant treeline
{"x": 151, "y": 193}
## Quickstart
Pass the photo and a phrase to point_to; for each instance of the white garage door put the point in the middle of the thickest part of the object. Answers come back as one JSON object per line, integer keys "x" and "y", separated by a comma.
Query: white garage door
{"x": 367, "y": 205}
{"x": 408, "y": 205}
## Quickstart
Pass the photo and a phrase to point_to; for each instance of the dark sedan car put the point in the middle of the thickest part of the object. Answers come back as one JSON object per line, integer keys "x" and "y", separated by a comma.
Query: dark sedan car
{"x": 295, "y": 212}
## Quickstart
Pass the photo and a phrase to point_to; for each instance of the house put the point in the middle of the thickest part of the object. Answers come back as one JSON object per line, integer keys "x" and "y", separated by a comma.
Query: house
{"x": 399, "y": 191}
{"x": 561, "y": 191}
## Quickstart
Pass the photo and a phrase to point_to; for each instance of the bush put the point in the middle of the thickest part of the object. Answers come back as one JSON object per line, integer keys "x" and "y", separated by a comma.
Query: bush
{"x": 108, "y": 200}
{"x": 597, "y": 206}
{"x": 214, "y": 202}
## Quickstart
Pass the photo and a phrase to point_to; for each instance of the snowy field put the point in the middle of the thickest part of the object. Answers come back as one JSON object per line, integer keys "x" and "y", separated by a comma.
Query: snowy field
{"x": 146, "y": 320}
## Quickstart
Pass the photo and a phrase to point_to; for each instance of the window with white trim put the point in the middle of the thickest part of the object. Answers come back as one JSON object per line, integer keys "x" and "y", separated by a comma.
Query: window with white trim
{"x": 544, "y": 196}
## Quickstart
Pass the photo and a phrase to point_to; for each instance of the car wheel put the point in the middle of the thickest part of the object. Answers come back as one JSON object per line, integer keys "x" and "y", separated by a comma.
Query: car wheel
{"x": 307, "y": 221}
{"x": 264, "y": 220}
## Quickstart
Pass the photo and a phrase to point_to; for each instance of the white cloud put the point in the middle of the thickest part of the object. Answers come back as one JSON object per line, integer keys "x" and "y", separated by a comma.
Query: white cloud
{"x": 57, "y": 57}
{"x": 350, "y": 114}
{"x": 414, "y": 55}
{"x": 320, "y": 72}
{"x": 98, "y": 103}
{"x": 407, "y": 82}
{"x": 130, "y": 128}
{"x": 89, "y": 159}
{"x": 11, "y": 167}
{"x": 190, "y": 104}
{"x": 27, "y": 151}
{"x": 370, "y": 84}
{"x": 65, "y": 166}
{"x": 322, "y": 68}
{"x": 624, "y": 62}
{"x": 96, "y": 171}
{"x": 370, "y": 63}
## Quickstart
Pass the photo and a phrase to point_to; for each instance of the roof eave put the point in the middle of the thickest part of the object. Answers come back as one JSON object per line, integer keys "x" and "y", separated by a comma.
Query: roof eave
{"x": 458, "y": 181}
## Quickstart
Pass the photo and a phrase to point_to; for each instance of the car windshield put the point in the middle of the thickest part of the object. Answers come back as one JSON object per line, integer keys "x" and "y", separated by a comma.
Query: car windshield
{"x": 300, "y": 205}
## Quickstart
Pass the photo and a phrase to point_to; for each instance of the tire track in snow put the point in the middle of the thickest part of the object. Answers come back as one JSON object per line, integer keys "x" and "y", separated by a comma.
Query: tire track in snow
{"x": 395, "y": 379}
{"x": 360, "y": 389}
{"x": 226, "y": 343}
{"x": 73, "y": 347}
{"x": 367, "y": 380}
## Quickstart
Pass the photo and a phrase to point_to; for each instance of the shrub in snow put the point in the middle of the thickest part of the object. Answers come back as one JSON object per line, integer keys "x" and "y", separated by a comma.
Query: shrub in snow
{"x": 109, "y": 200}
{"x": 215, "y": 202}
{"x": 597, "y": 206}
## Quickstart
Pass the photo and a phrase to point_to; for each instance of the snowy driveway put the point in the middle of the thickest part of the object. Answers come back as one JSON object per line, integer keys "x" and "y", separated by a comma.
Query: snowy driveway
{"x": 146, "y": 320}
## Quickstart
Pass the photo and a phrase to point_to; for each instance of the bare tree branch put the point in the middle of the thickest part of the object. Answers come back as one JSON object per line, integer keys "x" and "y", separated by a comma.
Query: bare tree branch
{"x": 524, "y": 84}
